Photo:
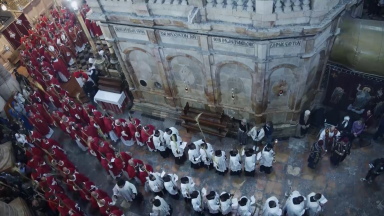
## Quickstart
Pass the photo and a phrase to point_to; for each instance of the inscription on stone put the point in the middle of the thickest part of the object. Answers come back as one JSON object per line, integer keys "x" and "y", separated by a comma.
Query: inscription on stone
{"x": 233, "y": 42}
{"x": 285, "y": 44}
{"x": 178, "y": 35}
{"x": 130, "y": 30}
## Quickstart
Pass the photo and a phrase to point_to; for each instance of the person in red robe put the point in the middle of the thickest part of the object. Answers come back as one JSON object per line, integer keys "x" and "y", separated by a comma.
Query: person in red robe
{"x": 48, "y": 144}
{"x": 34, "y": 151}
{"x": 61, "y": 68}
{"x": 55, "y": 100}
{"x": 146, "y": 136}
{"x": 41, "y": 110}
{"x": 65, "y": 164}
{"x": 110, "y": 168}
{"x": 96, "y": 29}
{"x": 116, "y": 160}
{"x": 105, "y": 148}
{"x": 65, "y": 106}
{"x": 127, "y": 137}
{"x": 76, "y": 111}
{"x": 98, "y": 118}
{"x": 94, "y": 147}
{"x": 35, "y": 162}
{"x": 76, "y": 134}
{"x": 80, "y": 34}
{"x": 133, "y": 125}
{"x": 41, "y": 125}
{"x": 73, "y": 34}
{"x": 36, "y": 97}
{"x": 133, "y": 165}
{"x": 89, "y": 131}
{"x": 116, "y": 212}
{"x": 66, "y": 123}
{"x": 106, "y": 206}
{"x": 109, "y": 125}
{"x": 67, "y": 54}
{"x": 57, "y": 155}
{"x": 57, "y": 116}
{"x": 144, "y": 171}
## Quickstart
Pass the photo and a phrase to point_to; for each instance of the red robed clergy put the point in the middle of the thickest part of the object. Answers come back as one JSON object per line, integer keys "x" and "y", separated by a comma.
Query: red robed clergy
{"x": 133, "y": 127}
{"x": 130, "y": 169}
{"x": 104, "y": 148}
{"x": 106, "y": 208}
{"x": 99, "y": 120}
{"x": 39, "y": 123}
{"x": 61, "y": 68}
{"x": 146, "y": 136}
{"x": 44, "y": 113}
{"x": 94, "y": 148}
{"x": 76, "y": 111}
{"x": 144, "y": 174}
{"x": 57, "y": 155}
{"x": 34, "y": 151}
{"x": 89, "y": 131}
{"x": 110, "y": 167}
{"x": 118, "y": 163}
{"x": 108, "y": 124}
{"x": 119, "y": 126}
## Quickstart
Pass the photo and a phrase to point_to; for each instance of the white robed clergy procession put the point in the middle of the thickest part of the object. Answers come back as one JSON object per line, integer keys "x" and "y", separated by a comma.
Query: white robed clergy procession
{"x": 194, "y": 155}
{"x": 187, "y": 186}
{"x": 155, "y": 182}
{"x": 245, "y": 206}
{"x": 295, "y": 204}
{"x": 314, "y": 203}
{"x": 235, "y": 160}
{"x": 159, "y": 141}
{"x": 272, "y": 207}
{"x": 124, "y": 189}
{"x": 160, "y": 207}
{"x": 170, "y": 183}
{"x": 257, "y": 134}
{"x": 197, "y": 200}
{"x": 213, "y": 202}
{"x": 168, "y": 134}
{"x": 206, "y": 152}
{"x": 220, "y": 161}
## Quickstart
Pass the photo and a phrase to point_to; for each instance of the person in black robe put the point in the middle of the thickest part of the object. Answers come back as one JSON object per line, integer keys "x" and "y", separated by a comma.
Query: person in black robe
{"x": 338, "y": 151}
{"x": 304, "y": 123}
{"x": 376, "y": 168}
{"x": 242, "y": 132}
{"x": 345, "y": 126}
{"x": 315, "y": 154}
{"x": 268, "y": 130}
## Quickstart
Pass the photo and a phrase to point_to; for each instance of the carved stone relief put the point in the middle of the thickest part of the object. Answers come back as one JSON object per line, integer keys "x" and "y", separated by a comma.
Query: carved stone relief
{"x": 235, "y": 86}
{"x": 145, "y": 69}
{"x": 188, "y": 78}
{"x": 281, "y": 83}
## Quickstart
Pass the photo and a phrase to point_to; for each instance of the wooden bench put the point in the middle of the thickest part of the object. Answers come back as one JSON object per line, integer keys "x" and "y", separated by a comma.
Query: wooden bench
{"x": 210, "y": 123}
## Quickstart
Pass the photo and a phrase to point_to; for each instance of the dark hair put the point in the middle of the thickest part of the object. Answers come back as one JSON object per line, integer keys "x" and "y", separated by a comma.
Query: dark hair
{"x": 184, "y": 180}
{"x": 120, "y": 182}
{"x": 192, "y": 146}
{"x": 167, "y": 130}
{"x": 317, "y": 196}
{"x": 218, "y": 153}
{"x": 167, "y": 178}
{"x": 156, "y": 202}
{"x": 243, "y": 201}
{"x": 298, "y": 200}
{"x": 272, "y": 204}
{"x": 194, "y": 194}
{"x": 224, "y": 197}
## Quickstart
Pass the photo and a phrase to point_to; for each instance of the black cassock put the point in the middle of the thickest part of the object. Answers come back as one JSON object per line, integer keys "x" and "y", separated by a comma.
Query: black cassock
{"x": 315, "y": 155}
{"x": 339, "y": 152}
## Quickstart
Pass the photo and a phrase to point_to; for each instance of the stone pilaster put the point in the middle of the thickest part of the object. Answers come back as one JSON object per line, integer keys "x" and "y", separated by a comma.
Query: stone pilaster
{"x": 209, "y": 75}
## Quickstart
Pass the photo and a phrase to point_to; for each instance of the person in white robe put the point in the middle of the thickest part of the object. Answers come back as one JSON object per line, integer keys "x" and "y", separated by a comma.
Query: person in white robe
{"x": 329, "y": 136}
{"x": 197, "y": 201}
{"x": 271, "y": 207}
{"x": 314, "y": 204}
{"x": 155, "y": 183}
{"x": 178, "y": 149}
{"x": 206, "y": 152}
{"x": 295, "y": 205}
{"x": 257, "y": 134}
{"x": 125, "y": 190}
{"x": 170, "y": 184}
{"x": 160, "y": 207}
{"x": 250, "y": 162}
{"x": 194, "y": 156}
{"x": 187, "y": 187}
{"x": 19, "y": 98}
{"x": 235, "y": 162}
{"x": 160, "y": 144}
{"x": 225, "y": 203}
{"x": 266, "y": 160}
{"x": 213, "y": 203}
{"x": 220, "y": 162}
{"x": 245, "y": 206}
{"x": 168, "y": 135}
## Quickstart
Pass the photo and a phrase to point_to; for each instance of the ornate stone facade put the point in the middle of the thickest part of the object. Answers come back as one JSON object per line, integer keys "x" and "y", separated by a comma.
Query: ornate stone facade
{"x": 256, "y": 59}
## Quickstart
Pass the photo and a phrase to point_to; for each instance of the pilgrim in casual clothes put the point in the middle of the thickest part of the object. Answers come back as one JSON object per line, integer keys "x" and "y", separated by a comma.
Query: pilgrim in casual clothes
{"x": 268, "y": 130}
{"x": 213, "y": 203}
{"x": 187, "y": 186}
{"x": 339, "y": 151}
{"x": 160, "y": 207}
{"x": 225, "y": 203}
{"x": 160, "y": 144}
{"x": 242, "y": 132}
{"x": 315, "y": 154}
{"x": 155, "y": 183}
{"x": 206, "y": 152}
{"x": 194, "y": 156}
{"x": 178, "y": 149}
{"x": 249, "y": 162}
{"x": 220, "y": 162}
{"x": 376, "y": 168}
{"x": 314, "y": 204}
{"x": 295, "y": 205}
{"x": 235, "y": 162}
{"x": 272, "y": 207}
{"x": 345, "y": 126}
{"x": 304, "y": 122}
{"x": 170, "y": 184}
{"x": 266, "y": 160}
{"x": 357, "y": 128}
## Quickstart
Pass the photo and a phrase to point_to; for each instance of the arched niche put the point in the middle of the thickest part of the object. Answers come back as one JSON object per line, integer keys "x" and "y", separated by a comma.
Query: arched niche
{"x": 235, "y": 85}
{"x": 145, "y": 73}
{"x": 188, "y": 77}
{"x": 282, "y": 86}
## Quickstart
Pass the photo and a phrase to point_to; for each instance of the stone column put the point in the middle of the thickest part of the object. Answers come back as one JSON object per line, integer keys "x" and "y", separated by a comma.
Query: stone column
{"x": 258, "y": 81}
{"x": 209, "y": 76}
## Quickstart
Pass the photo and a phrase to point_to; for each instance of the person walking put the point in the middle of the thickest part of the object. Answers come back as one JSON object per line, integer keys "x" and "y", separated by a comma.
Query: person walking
{"x": 376, "y": 168}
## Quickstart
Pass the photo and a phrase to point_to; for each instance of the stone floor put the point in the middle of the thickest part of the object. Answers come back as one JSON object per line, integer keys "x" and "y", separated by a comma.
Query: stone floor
{"x": 341, "y": 185}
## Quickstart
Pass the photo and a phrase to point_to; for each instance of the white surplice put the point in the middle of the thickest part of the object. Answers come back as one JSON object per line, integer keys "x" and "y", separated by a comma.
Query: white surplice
{"x": 235, "y": 163}
{"x": 171, "y": 186}
{"x": 314, "y": 208}
{"x": 226, "y": 206}
{"x": 276, "y": 211}
{"x": 187, "y": 189}
{"x": 267, "y": 157}
{"x": 162, "y": 210}
{"x": 127, "y": 192}
{"x": 220, "y": 163}
{"x": 250, "y": 163}
{"x": 159, "y": 142}
{"x": 214, "y": 204}
{"x": 194, "y": 155}
{"x": 197, "y": 203}
{"x": 256, "y": 134}
{"x": 292, "y": 209}
{"x": 157, "y": 184}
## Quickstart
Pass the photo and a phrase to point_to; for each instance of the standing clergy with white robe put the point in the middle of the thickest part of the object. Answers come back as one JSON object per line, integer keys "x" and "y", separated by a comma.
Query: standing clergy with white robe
{"x": 225, "y": 203}
{"x": 178, "y": 149}
{"x": 257, "y": 134}
{"x": 271, "y": 207}
{"x": 125, "y": 190}
{"x": 213, "y": 203}
{"x": 156, "y": 184}
{"x": 159, "y": 143}
{"x": 266, "y": 160}
{"x": 314, "y": 204}
{"x": 250, "y": 162}
{"x": 168, "y": 134}
{"x": 194, "y": 155}
{"x": 197, "y": 201}
{"x": 206, "y": 152}
{"x": 187, "y": 187}
{"x": 220, "y": 162}
{"x": 235, "y": 162}
{"x": 295, "y": 206}
{"x": 170, "y": 184}
{"x": 245, "y": 208}
{"x": 160, "y": 207}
